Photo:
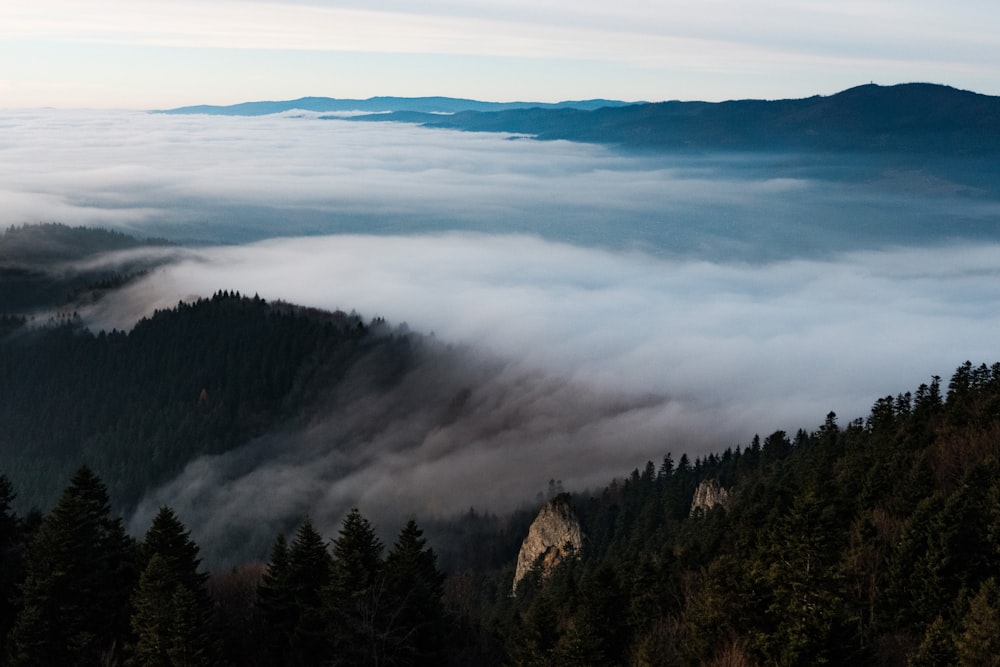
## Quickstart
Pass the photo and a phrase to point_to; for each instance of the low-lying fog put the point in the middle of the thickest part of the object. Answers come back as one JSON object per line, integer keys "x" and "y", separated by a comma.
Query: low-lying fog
{"x": 616, "y": 307}
{"x": 221, "y": 179}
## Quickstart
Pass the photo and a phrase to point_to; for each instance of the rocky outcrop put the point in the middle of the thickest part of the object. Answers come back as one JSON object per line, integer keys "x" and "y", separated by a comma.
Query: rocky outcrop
{"x": 709, "y": 494}
{"x": 553, "y": 536}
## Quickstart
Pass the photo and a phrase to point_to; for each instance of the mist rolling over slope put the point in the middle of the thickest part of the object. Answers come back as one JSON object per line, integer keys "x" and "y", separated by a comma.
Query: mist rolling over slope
{"x": 597, "y": 358}
{"x": 604, "y": 307}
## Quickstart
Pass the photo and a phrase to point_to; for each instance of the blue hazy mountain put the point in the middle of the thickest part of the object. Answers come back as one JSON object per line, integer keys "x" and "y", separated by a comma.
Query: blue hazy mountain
{"x": 916, "y": 117}
{"x": 427, "y": 105}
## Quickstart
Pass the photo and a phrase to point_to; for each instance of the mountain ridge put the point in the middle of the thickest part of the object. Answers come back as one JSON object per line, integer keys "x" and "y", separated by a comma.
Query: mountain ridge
{"x": 903, "y": 118}
{"x": 381, "y": 104}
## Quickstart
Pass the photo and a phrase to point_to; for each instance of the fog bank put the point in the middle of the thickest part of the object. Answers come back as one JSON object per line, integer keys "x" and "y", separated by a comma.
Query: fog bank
{"x": 581, "y": 363}
{"x": 218, "y": 179}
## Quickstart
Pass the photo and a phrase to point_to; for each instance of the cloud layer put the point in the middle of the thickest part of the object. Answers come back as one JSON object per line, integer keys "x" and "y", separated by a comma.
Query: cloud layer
{"x": 603, "y": 308}
{"x": 786, "y": 341}
{"x": 582, "y": 363}
{"x": 225, "y": 180}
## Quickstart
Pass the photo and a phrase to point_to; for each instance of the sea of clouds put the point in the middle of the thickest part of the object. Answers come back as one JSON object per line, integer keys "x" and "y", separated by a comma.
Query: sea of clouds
{"x": 607, "y": 307}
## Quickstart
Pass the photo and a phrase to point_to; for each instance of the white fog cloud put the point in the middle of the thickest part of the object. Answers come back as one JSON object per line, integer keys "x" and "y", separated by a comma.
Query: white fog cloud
{"x": 583, "y": 363}
{"x": 223, "y": 180}
{"x": 785, "y": 340}
{"x": 604, "y": 308}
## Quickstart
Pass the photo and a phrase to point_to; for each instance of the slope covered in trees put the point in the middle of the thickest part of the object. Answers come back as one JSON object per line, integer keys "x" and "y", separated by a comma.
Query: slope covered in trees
{"x": 199, "y": 379}
{"x": 38, "y": 265}
{"x": 78, "y": 591}
{"x": 875, "y": 542}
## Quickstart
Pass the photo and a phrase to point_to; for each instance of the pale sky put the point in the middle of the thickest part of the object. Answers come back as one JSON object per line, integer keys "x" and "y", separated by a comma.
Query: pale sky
{"x": 143, "y": 54}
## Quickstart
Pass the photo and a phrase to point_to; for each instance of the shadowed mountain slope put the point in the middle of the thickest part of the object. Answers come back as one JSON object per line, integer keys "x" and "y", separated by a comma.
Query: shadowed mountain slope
{"x": 917, "y": 117}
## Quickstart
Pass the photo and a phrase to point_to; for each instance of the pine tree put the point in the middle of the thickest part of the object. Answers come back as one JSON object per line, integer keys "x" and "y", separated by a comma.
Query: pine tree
{"x": 979, "y": 642}
{"x": 173, "y": 614}
{"x": 274, "y": 604}
{"x": 806, "y": 600}
{"x": 189, "y": 644}
{"x": 152, "y": 618}
{"x": 291, "y": 599}
{"x": 357, "y": 593}
{"x": 11, "y": 560}
{"x": 535, "y": 645}
{"x": 307, "y": 576}
{"x": 168, "y": 537}
{"x": 936, "y": 649}
{"x": 416, "y": 615}
{"x": 80, "y": 572}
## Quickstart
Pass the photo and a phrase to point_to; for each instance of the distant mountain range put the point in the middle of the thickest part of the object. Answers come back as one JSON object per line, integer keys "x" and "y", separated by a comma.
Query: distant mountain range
{"x": 906, "y": 118}
{"x": 925, "y": 118}
{"x": 427, "y": 105}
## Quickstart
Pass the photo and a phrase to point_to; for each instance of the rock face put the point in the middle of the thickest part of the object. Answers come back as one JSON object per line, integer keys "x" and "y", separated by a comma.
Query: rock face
{"x": 553, "y": 535}
{"x": 708, "y": 494}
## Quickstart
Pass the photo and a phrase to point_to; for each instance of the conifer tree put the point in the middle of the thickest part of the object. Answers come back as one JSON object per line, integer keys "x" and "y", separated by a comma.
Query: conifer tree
{"x": 172, "y": 615}
{"x": 416, "y": 615}
{"x": 308, "y": 575}
{"x": 80, "y": 572}
{"x": 291, "y": 599}
{"x": 357, "y": 594}
{"x": 169, "y": 538}
{"x": 274, "y": 604}
{"x": 11, "y": 560}
{"x": 152, "y": 618}
{"x": 979, "y": 642}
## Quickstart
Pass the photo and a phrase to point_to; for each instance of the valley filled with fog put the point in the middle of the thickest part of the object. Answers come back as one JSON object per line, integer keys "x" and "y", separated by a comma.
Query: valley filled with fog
{"x": 611, "y": 306}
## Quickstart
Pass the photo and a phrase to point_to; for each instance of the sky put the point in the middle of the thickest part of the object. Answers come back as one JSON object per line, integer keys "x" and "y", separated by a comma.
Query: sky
{"x": 169, "y": 53}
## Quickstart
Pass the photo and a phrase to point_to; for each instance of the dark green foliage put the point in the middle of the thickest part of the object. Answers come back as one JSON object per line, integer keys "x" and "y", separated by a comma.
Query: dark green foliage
{"x": 200, "y": 379}
{"x": 80, "y": 574}
{"x": 358, "y": 599}
{"x": 416, "y": 624}
{"x": 291, "y": 599}
{"x": 352, "y": 607}
{"x": 28, "y": 252}
{"x": 168, "y": 538}
{"x": 877, "y": 542}
{"x": 871, "y": 542}
{"x": 172, "y": 618}
{"x": 978, "y": 642}
{"x": 11, "y": 561}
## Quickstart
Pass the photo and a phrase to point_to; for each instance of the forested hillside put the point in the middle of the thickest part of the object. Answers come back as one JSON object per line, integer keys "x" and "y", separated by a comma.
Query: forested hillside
{"x": 872, "y": 542}
{"x": 199, "y": 379}
{"x": 37, "y": 272}
{"x": 876, "y": 542}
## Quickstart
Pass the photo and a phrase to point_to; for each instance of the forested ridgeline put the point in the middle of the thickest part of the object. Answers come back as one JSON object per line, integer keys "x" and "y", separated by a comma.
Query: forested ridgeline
{"x": 876, "y": 542}
{"x": 201, "y": 378}
{"x": 873, "y": 543}
{"x": 39, "y": 265}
